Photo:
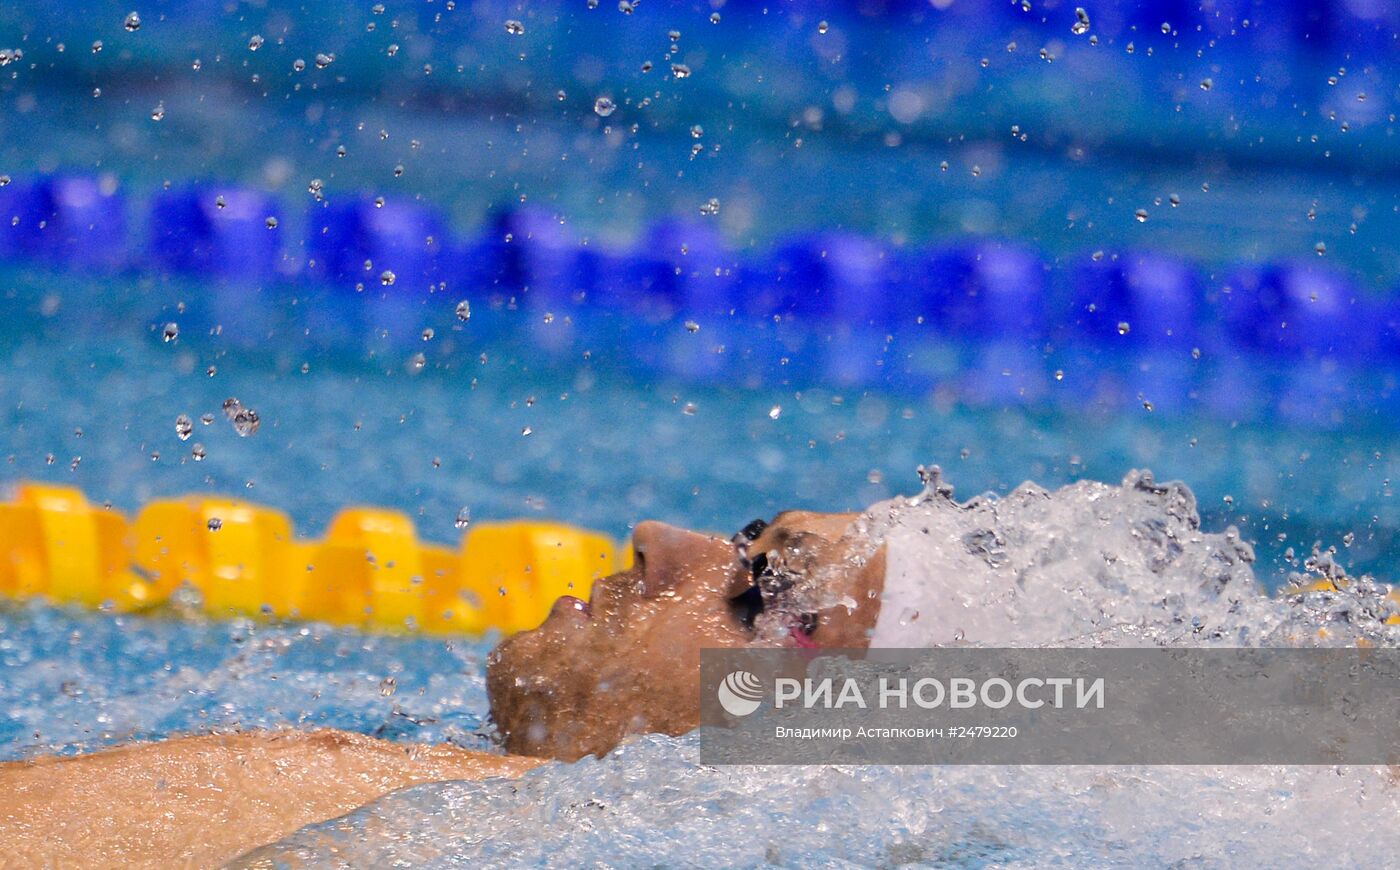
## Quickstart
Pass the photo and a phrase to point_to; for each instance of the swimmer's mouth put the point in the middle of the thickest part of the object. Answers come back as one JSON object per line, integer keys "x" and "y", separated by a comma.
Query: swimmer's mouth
{"x": 750, "y": 604}
{"x": 801, "y": 631}
{"x": 766, "y": 594}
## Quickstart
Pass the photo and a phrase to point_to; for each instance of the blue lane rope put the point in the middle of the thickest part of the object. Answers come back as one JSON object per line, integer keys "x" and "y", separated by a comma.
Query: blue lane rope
{"x": 824, "y": 307}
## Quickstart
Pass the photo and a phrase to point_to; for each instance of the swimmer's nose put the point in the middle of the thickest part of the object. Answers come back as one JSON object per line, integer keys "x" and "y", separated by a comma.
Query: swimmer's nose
{"x": 667, "y": 556}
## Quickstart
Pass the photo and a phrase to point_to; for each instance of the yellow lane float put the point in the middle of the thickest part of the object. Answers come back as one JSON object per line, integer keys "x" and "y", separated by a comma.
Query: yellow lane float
{"x": 370, "y": 570}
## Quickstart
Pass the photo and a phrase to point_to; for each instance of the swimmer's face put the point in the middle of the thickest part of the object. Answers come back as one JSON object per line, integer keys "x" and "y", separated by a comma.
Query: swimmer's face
{"x": 628, "y": 661}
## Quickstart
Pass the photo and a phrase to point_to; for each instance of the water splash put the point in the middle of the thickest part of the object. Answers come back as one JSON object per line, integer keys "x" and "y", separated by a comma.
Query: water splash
{"x": 1103, "y": 565}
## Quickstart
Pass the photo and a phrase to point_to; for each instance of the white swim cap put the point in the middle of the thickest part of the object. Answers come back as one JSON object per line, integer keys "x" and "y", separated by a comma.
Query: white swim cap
{"x": 1041, "y": 568}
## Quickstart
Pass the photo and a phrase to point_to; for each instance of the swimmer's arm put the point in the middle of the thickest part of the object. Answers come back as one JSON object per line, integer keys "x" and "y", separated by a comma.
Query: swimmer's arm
{"x": 201, "y": 801}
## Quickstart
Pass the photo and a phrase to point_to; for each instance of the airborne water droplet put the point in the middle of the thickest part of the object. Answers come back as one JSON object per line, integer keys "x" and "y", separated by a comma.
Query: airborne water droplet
{"x": 464, "y": 311}
{"x": 514, "y": 28}
{"x": 215, "y": 523}
{"x": 171, "y": 331}
{"x": 1141, "y": 215}
{"x": 604, "y": 106}
{"x": 246, "y": 422}
{"x": 775, "y": 412}
{"x": 255, "y": 43}
{"x": 387, "y": 277}
{"x": 183, "y": 427}
{"x": 464, "y": 518}
{"x": 1124, "y": 327}
{"x": 1081, "y": 24}
{"x": 198, "y": 452}
{"x": 132, "y": 22}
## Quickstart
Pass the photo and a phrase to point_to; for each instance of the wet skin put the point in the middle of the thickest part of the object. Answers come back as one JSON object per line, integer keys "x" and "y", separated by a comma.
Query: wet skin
{"x": 629, "y": 660}
{"x": 202, "y": 801}
{"x": 626, "y": 662}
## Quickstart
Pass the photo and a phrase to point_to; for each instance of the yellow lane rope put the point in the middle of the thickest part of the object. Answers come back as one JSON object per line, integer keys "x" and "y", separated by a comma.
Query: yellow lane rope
{"x": 370, "y": 570}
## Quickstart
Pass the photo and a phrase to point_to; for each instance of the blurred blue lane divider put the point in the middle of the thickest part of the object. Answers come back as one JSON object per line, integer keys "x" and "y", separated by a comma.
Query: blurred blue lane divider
{"x": 986, "y": 289}
{"x": 1139, "y": 300}
{"x": 1297, "y": 309}
{"x": 363, "y": 242}
{"x": 827, "y": 308}
{"x": 216, "y": 231}
{"x": 73, "y": 220}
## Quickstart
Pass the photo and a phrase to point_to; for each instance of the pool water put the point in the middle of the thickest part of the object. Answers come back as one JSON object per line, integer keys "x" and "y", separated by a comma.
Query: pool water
{"x": 89, "y": 394}
{"x": 79, "y": 681}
